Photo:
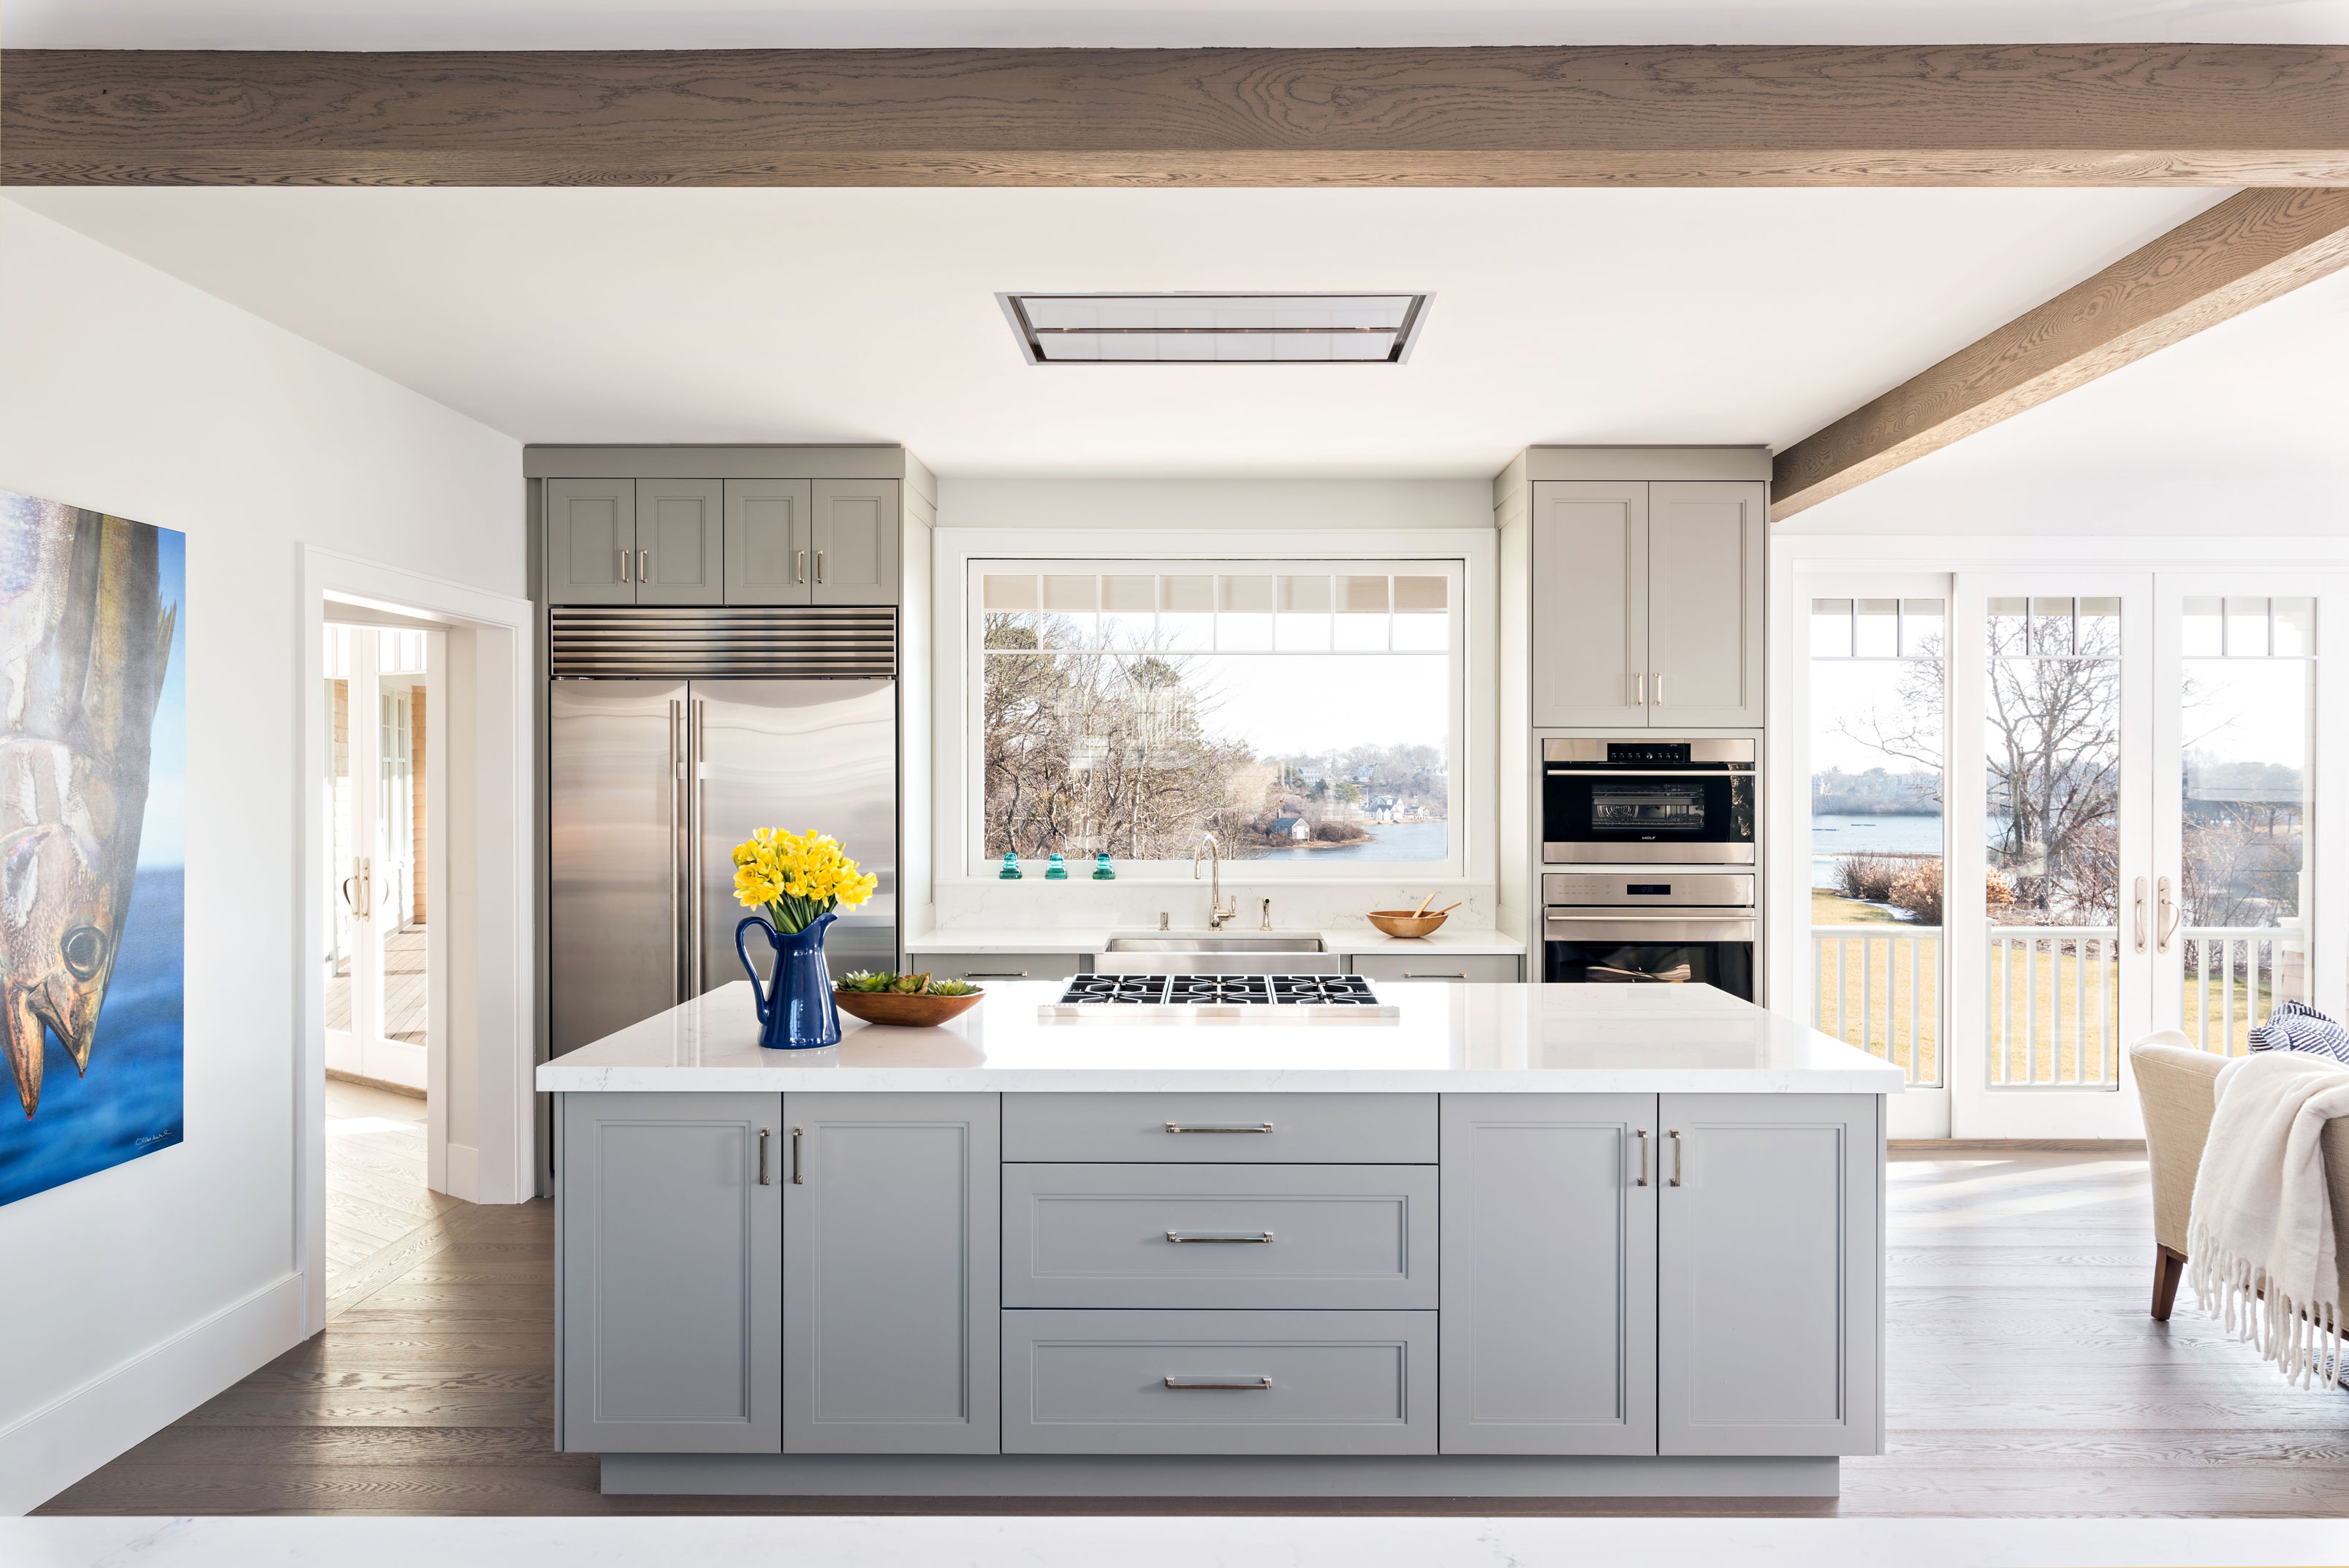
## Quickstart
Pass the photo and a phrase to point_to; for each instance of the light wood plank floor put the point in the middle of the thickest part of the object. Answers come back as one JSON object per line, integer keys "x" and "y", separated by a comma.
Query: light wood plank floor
{"x": 379, "y": 1213}
{"x": 2025, "y": 1379}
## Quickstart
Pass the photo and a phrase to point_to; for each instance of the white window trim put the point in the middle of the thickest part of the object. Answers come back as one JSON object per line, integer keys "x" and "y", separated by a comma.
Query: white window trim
{"x": 961, "y": 554}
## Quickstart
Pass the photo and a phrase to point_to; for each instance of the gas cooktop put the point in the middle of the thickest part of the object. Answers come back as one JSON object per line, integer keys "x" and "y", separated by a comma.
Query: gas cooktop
{"x": 1266, "y": 998}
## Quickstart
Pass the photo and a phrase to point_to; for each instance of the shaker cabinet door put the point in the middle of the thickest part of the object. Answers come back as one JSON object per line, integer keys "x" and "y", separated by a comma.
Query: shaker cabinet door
{"x": 1770, "y": 1283}
{"x": 768, "y": 551}
{"x": 1589, "y": 603}
{"x": 591, "y": 525}
{"x": 680, "y": 542}
{"x": 892, "y": 1240}
{"x": 1705, "y": 602}
{"x": 672, "y": 1216}
{"x": 856, "y": 527}
{"x": 1548, "y": 1273}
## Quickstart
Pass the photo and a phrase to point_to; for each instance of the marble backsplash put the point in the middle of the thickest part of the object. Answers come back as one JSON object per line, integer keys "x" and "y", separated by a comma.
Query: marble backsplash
{"x": 1033, "y": 902}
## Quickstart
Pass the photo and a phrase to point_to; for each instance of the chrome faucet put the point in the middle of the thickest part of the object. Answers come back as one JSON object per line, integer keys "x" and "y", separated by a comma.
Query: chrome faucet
{"x": 1216, "y": 913}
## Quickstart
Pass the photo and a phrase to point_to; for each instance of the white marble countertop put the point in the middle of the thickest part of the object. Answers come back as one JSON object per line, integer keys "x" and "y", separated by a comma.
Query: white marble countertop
{"x": 1449, "y": 1037}
{"x": 1093, "y": 938}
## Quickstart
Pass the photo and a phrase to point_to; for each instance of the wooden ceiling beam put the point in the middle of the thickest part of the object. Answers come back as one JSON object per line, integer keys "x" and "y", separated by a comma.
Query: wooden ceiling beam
{"x": 2247, "y": 250}
{"x": 2080, "y": 114}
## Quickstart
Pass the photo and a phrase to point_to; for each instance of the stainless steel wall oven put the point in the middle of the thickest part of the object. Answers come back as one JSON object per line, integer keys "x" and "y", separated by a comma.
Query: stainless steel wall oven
{"x": 1649, "y": 928}
{"x": 1648, "y": 802}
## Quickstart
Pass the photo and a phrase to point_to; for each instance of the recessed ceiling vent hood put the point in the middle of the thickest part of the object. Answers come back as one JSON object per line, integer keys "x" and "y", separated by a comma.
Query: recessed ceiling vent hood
{"x": 1215, "y": 328}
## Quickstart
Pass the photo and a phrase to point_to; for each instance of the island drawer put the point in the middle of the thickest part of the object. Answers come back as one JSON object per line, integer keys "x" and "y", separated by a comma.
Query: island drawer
{"x": 1489, "y": 968}
{"x": 1221, "y": 1129}
{"x": 1219, "y": 1382}
{"x": 1305, "y": 1236}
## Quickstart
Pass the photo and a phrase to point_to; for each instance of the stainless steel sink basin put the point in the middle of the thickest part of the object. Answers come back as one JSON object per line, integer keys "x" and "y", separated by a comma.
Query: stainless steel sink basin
{"x": 1213, "y": 942}
{"x": 1216, "y": 952}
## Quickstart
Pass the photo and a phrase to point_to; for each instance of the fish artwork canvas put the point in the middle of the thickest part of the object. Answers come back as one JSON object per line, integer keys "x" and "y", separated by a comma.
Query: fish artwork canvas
{"x": 92, "y": 746}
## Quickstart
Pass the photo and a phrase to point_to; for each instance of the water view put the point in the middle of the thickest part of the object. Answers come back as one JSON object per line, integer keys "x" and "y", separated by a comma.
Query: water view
{"x": 1388, "y": 841}
{"x": 1833, "y": 837}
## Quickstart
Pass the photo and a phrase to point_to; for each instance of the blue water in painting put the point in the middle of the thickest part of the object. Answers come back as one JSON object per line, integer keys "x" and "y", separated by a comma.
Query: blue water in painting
{"x": 130, "y": 1103}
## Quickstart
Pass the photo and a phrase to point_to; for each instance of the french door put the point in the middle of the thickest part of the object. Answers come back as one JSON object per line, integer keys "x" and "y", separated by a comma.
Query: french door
{"x": 2140, "y": 780}
{"x": 378, "y": 710}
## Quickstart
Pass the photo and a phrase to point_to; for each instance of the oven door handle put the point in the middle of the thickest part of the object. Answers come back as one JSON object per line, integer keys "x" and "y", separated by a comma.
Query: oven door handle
{"x": 1647, "y": 928}
{"x": 1584, "y": 770}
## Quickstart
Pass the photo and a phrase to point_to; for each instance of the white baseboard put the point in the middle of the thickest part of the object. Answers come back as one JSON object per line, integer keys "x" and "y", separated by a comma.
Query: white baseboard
{"x": 55, "y": 1446}
{"x": 464, "y": 1173}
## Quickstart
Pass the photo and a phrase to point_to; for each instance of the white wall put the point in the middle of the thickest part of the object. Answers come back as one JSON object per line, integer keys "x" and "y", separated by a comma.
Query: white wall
{"x": 134, "y": 1294}
{"x": 1155, "y": 503}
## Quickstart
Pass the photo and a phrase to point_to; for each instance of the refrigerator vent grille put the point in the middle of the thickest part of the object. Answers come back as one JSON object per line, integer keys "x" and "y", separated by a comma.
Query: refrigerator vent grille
{"x": 791, "y": 643}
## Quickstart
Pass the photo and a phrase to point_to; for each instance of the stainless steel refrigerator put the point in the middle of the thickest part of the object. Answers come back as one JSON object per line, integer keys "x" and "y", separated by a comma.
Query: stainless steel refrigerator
{"x": 652, "y": 783}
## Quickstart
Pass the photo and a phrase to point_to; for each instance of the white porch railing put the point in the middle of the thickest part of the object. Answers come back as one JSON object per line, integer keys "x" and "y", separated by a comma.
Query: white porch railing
{"x": 2054, "y": 1006}
{"x": 2231, "y": 976}
{"x": 1879, "y": 988}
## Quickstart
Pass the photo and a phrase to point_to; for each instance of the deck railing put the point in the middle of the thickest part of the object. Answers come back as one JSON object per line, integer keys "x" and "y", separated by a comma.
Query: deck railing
{"x": 2232, "y": 976}
{"x": 1879, "y": 988}
{"x": 2054, "y": 1006}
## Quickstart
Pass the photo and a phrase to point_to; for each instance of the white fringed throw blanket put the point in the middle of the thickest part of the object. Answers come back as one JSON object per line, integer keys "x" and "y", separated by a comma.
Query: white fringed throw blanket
{"x": 2259, "y": 1240}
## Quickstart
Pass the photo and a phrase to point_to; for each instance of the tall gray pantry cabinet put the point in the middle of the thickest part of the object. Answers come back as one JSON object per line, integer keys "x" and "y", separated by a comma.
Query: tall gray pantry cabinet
{"x": 1670, "y": 1276}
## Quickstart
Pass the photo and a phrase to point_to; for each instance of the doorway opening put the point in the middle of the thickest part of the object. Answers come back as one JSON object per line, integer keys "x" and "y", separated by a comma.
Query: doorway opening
{"x": 383, "y": 808}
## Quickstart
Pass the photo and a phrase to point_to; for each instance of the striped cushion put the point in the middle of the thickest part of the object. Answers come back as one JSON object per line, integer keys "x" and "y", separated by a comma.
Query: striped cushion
{"x": 2297, "y": 1027}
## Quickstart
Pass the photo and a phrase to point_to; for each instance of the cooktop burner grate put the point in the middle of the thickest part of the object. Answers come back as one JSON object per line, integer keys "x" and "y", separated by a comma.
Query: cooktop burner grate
{"x": 1201, "y": 990}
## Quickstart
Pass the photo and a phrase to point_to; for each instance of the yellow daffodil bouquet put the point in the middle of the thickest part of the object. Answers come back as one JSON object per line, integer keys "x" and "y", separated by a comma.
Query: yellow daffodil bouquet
{"x": 797, "y": 877}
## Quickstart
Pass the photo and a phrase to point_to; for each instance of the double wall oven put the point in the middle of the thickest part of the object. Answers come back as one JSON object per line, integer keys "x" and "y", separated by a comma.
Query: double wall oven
{"x": 1659, "y": 836}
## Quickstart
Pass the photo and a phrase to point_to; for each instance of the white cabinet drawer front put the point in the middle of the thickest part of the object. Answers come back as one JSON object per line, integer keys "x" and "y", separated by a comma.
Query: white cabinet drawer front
{"x": 979, "y": 968}
{"x": 1490, "y": 968}
{"x": 1219, "y": 1382}
{"x": 1222, "y": 1129}
{"x": 1314, "y": 1237}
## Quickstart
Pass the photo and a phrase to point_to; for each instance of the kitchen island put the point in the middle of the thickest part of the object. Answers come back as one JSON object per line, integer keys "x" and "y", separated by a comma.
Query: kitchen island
{"x": 1476, "y": 1240}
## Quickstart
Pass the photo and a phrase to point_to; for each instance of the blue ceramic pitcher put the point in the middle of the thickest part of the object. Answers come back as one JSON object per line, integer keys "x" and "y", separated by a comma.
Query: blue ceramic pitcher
{"x": 795, "y": 1008}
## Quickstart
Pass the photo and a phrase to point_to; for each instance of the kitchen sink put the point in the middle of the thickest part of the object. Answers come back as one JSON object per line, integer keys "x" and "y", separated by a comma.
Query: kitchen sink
{"x": 1213, "y": 942}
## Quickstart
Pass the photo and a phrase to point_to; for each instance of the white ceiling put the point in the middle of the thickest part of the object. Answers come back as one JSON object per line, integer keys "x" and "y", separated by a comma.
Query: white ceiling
{"x": 868, "y": 314}
{"x": 1144, "y": 23}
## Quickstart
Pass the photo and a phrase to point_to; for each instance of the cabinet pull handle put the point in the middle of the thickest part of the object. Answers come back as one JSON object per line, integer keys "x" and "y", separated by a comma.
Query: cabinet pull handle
{"x": 799, "y": 568}
{"x": 1219, "y": 1127}
{"x": 1659, "y": 689}
{"x": 819, "y": 565}
{"x": 797, "y": 1178}
{"x": 1184, "y": 1381}
{"x": 1219, "y": 1236}
{"x": 765, "y": 1179}
{"x": 1676, "y": 1156}
{"x": 1007, "y": 974}
{"x": 624, "y": 565}
{"x": 1638, "y": 689}
{"x": 1643, "y": 1157}
{"x": 644, "y": 565}
{"x": 1409, "y": 975}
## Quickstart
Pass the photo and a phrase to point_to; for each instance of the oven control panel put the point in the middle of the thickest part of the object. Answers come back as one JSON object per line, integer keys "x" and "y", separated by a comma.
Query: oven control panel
{"x": 1707, "y": 890}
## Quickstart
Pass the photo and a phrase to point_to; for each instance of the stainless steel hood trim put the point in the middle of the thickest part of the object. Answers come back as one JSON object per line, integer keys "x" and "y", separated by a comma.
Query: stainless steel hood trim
{"x": 1690, "y": 853}
{"x": 779, "y": 643}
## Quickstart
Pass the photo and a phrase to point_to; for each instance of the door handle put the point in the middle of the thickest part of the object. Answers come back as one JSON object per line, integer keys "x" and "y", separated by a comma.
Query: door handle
{"x": 2169, "y": 926}
{"x": 799, "y": 568}
{"x": 798, "y": 1179}
{"x": 1219, "y": 1127}
{"x": 346, "y": 890}
{"x": 1638, "y": 689}
{"x": 1642, "y": 1136}
{"x": 1219, "y": 1236}
{"x": 1676, "y": 1156}
{"x": 644, "y": 565}
{"x": 2140, "y": 915}
{"x": 819, "y": 565}
{"x": 679, "y": 901}
{"x": 624, "y": 565}
{"x": 764, "y": 1179}
{"x": 697, "y": 737}
{"x": 1184, "y": 1381}
{"x": 1659, "y": 678}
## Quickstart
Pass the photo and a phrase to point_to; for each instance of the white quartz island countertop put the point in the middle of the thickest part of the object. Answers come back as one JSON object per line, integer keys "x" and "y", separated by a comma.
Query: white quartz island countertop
{"x": 1449, "y": 1038}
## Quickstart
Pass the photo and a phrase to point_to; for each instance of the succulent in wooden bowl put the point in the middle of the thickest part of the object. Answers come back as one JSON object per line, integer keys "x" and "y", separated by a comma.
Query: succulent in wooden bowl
{"x": 904, "y": 1001}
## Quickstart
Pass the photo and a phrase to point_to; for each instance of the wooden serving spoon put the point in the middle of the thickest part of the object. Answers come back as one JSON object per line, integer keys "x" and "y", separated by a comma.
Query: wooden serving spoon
{"x": 1422, "y": 907}
{"x": 1447, "y": 909}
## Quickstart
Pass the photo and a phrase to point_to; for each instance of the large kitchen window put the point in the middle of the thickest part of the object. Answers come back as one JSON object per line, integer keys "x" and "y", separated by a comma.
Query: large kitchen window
{"x": 1307, "y": 713}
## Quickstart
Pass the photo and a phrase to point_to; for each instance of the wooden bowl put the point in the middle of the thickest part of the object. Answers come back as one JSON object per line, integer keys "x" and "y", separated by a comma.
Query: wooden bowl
{"x": 1403, "y": 922}
{"x": 903, "y": 1011}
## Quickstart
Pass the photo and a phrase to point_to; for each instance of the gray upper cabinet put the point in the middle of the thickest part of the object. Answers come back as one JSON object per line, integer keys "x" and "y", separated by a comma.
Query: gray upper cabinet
{"x": 1647, "y": 604}
{"x": 1705, "y": 602}
{"x": 1590, "y": 604}
{"x": 1548, "y": 1274}
{"x": 1769, "y": 1287}
{"x": 591, "y": 542}
{"x": 769, "y": 547}
{"x": 671, "y": 1224}
{"x": 680, "y": 542}
{"x": 892, "y": 1242}
{"x": 856, "y": 536}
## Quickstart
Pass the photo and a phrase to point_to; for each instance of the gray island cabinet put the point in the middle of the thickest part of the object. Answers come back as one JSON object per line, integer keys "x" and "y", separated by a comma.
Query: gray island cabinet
{"x": 1517, "y": 1241}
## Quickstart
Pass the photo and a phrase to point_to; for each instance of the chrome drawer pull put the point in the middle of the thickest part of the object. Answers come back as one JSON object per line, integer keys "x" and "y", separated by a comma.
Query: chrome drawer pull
{"x": 1219, "y": 1236}
{"x": 1219, "y": 1127}
{"x": 1182, "y": 1380}
{"x": 1409, "y": 975}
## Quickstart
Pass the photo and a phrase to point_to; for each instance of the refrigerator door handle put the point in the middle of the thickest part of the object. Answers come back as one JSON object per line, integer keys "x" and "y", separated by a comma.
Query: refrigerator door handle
{"x": 676, "y": 861}
{"x": 698, "y": 742}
